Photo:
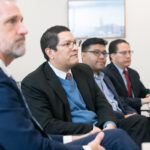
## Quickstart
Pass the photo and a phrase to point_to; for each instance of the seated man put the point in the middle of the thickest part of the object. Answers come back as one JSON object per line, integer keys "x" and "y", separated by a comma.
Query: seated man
{"x": 94, "y": 54}
{"x": 18, "y": 130}
{"x": 65, "y": 106}
{"x": 126, "y": 80}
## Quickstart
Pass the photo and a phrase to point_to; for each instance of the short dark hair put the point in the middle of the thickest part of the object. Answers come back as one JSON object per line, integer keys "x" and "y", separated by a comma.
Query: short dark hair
{"x": 113, "y": 46}
{"x": 92, "y": 41}
{"x": 50, "y": 39}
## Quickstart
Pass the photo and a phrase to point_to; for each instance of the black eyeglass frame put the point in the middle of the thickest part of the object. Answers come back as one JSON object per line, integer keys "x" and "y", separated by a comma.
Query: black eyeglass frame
{"x": 97, "y": 52}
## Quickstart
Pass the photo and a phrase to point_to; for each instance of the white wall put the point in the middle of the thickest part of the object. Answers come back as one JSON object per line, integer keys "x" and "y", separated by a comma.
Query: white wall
{"x": 41, "y": 14}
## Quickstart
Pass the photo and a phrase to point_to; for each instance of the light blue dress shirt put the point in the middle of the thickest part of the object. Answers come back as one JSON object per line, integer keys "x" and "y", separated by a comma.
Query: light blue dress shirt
{"x": 107, "y": 92}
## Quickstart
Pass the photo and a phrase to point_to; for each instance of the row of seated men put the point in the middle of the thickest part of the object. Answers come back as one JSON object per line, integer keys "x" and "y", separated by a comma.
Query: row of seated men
{"x": 62, "y": 105}
{"x": 73, "y": 106}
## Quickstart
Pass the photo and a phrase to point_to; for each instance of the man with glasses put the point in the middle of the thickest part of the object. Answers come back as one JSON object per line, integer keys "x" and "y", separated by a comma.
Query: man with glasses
{"x": 52, "y": 99}
{"x": 126, "y": 80}
{"x": 61, "y": 92}
{"x": 18, "y": 129}
{"x": 94, "y": 54}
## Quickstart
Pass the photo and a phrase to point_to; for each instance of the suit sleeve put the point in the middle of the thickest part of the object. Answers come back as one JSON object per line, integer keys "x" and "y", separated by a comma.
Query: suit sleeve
{"x": 44, "y": 113}
{"x": 135, "y": 103}
{"x": 127, "y": 108}
{"x": 143, "y": 91}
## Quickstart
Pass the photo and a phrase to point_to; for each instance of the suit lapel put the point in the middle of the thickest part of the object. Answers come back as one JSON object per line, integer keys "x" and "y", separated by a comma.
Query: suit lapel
{"x": 55, "y": 84}
{"x": 111, "y": 87}
{"x": 84, "y": 90}
{"x": 13, "y": 83}
{"x": 118, "y": 76}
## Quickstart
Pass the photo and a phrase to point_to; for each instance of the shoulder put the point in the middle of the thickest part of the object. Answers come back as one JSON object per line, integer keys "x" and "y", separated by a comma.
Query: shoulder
{"x": 110, "y": 68}
{"x": 132, "y": 71}
{"x": 36, "y": 75}
{"x": 82, "y": 68}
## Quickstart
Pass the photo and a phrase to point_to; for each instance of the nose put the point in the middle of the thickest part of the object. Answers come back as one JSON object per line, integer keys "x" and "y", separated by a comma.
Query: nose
{"x": 128, "y": 54}
{"x": 101, "y": 56}
{"x": 22, "y": 29}
{"x": 75, "y": 47}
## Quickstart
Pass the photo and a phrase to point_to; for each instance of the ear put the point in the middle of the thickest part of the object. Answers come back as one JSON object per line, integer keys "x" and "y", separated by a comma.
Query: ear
{"x": 112, "y": 56}
{"x": 82, "y": 55}
{"x": 49, "y": 52}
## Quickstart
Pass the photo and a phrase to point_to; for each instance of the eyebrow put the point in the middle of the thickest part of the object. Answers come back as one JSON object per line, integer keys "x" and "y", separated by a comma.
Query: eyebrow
{"x": 97, "y": 50}
{"x": 14, "y": 17}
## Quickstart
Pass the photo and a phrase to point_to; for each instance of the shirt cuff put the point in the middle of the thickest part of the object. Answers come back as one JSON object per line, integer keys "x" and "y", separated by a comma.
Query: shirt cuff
{"x": 87, "y": 147}
{"x": 108, "y": 122}
{"x": 67, "y": 139}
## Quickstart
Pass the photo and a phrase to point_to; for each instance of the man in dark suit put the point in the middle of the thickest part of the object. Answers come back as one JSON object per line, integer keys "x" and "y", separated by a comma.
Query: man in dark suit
{"x": 133, "y": 91}
{"x": 94, "y": 54}
{"x": 65, "y": 106}
{"x": 18, "y": 129}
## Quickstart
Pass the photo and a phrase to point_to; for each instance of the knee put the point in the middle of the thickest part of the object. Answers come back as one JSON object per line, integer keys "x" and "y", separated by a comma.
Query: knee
{"x": 120, "y": 133}
{"x": 116, "y": 133}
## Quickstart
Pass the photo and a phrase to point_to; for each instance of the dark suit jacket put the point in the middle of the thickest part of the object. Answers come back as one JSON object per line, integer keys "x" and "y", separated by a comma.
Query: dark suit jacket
{"x": 126, "y": 109}
{"x": 48, "y": 101}
{"x": 18, "y": 131}
{"x": 137, "y": 86}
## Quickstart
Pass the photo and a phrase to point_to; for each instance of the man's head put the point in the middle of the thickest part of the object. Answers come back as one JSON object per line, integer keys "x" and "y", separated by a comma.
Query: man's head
{"x": 59, "y": 47}
{"x": 94, "y": 53}
{"x": 120, "y": 53}
{"x": 12, "y": 32}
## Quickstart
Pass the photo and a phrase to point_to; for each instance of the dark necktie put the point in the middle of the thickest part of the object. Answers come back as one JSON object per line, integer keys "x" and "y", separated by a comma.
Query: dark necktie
{"x": 68, "y": 76}
{"x": 128, "y": 83}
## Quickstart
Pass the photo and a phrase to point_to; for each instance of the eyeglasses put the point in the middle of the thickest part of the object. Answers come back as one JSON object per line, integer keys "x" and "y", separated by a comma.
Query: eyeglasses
{"x": 69, "y": 44}
{"x": 125, "y": 52}
{"x": 97, "y": 53}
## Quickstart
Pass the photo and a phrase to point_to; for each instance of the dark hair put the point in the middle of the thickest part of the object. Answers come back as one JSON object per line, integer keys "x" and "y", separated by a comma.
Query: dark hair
{"x": 113, "y": 46}
{"x": 92, "y": 41}
{"x": 50, "y": 39}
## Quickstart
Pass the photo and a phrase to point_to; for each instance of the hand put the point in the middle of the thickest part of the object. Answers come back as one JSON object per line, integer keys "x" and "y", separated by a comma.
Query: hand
{"x": 148, "y": 95}
{"x": 146, "y": 100}
{"x": 126, "y": 116}
{"x": 109, "y": 126}
{"x": 95, "y": 144}
{"x": 95, "y": 130}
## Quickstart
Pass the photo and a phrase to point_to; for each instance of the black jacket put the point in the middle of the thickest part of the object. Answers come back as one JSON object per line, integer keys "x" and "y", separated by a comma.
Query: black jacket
{"x": 137, "y": 86}
{"x": 48, "y": 101}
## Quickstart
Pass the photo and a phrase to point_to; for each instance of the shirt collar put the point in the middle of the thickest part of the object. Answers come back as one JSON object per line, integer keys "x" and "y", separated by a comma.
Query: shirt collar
{"x": 3, "y": 67}
{"x": 58, "y": 72}
{"x": 120, "y": 69}
{"x": 100, "y": 76}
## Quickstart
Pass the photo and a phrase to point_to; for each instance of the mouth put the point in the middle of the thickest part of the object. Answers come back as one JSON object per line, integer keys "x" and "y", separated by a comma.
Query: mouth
{"x": 74, "y": 55}
{"x": 128, "y": 61}
{"x": 100, "y": 62}
{"x": 20, "y": 39}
